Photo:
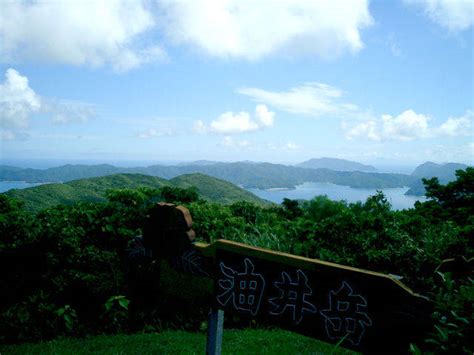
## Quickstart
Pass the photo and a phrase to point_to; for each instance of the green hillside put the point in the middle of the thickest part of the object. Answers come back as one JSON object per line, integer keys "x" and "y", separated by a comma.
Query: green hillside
{"x": 90, "y": 190}
{"x": 213, "y": 189}
{"x": 94, "y": 189}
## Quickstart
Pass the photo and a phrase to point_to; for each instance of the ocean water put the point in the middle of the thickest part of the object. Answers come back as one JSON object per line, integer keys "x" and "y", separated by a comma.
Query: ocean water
{"x": 8, "y": 185}
{"x": 308, "y": 190}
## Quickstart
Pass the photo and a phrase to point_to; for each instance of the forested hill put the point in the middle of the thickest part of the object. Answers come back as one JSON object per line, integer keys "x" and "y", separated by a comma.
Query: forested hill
{"x": 444, "y": 172}
{"x": 94, "y": 189}
{"x": 246, "y": 174}
{"x": 336, "y": 164}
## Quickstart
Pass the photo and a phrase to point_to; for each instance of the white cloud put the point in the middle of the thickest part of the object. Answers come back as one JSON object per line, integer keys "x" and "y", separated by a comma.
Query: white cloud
{"x": 199, "y": 127}
{"x": 292, "y": 146}
{"x": 254, "y": 29}
{"x": 240, "y": 122}
{"x": 367, "y": 129}
{"x": 461, "y": 126}
{"x": 229, "y": 142}
{"x": 408, "y": 125}
{"x": 122, "y": 33}
{"x": 454, "y": 15}
{"x": 315, "y": 99}
{"x": 230, "y": 122}
{"x": 264, "y": 116}
{"x": 7, "y": 135}
{"x": 77, "y": 32}
{"x": 17, "y": 101}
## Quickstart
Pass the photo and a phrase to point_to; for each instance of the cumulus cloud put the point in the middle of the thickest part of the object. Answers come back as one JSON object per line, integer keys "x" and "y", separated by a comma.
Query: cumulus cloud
{"x": 461, "y": 126}
{"x": 240, "y": 122}
{"x": 315, "y": 99}
{"x": 254, "y": 29}
{"x": 408, "y": 125}
{"x": 17, "y": 101}
{"x": 123, "y": 33}
{"x": 454, "y": 15}
{"x": 77, "y": 32}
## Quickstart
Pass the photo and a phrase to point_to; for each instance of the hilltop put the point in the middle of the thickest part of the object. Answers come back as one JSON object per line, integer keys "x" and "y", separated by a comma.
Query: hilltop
{"x": 336, "y": 164}
{"x": 215, "y": 190}
{"x": 444, "y": 172}
{"x": 94, "y": 189}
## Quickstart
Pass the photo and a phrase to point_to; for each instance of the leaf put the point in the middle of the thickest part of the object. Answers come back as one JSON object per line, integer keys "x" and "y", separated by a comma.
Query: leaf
{"x": 123, "y": 302}
{"x": 414, "y": 349}
{"x": 444, "y": 336}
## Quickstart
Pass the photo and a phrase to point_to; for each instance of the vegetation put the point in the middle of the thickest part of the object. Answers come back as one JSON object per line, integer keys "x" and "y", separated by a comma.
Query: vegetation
{"x": 94, "y": 190}
{"x": 66, "y": 270}
{"x": 250, "y": 341}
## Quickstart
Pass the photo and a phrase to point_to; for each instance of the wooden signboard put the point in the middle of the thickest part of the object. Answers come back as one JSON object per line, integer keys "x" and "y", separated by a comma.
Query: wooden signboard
{"x": 366, "y": 311}
{"x": 372, "y": 312}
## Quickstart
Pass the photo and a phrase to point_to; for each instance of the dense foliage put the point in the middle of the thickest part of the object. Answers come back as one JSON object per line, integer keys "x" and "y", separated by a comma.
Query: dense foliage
{"x": 66, "y": 270}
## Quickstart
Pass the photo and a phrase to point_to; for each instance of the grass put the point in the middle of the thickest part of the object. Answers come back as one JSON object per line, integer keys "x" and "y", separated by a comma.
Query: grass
{"x": 249, "y": 341}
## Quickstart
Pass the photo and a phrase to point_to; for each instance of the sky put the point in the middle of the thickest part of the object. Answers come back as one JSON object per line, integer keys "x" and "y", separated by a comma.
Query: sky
{"x": 380, "y": 82}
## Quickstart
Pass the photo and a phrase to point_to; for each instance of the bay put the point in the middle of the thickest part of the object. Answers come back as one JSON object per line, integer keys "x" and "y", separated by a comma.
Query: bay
{"x": 8, "y": 185}
{"x": 308, "y": 190}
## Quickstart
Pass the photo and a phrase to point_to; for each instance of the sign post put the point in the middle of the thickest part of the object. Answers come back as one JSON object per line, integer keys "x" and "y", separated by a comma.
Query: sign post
{"x": 214, "y": 331}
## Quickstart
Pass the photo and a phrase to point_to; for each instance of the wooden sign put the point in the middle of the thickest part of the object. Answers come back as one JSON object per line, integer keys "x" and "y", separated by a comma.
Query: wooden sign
{"x": 370, "y": 311}
{"x": 366, "y": 311}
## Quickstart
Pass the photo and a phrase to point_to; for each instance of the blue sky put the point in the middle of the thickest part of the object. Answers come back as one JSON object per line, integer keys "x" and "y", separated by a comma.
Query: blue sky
{"x": 382, "y": 82}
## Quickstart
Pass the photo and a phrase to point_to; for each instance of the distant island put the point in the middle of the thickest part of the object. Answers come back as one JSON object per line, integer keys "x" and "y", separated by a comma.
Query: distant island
{"x": 336, "y": 164}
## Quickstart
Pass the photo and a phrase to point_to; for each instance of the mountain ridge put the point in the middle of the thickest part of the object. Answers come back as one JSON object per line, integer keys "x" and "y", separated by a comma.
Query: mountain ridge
{"x": 249, "y": 175}
{"x": 336, "y": 164}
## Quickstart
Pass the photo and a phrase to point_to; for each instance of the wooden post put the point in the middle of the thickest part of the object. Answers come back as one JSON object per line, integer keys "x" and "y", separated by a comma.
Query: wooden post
{"x": 214, "y": 332}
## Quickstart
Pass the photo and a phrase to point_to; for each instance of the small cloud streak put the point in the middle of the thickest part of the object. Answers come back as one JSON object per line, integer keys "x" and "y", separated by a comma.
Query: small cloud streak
{"x": 313, "y": 99}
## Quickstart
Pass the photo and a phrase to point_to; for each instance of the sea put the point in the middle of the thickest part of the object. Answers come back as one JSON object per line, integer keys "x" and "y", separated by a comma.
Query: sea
{"x": 308, "y": 190}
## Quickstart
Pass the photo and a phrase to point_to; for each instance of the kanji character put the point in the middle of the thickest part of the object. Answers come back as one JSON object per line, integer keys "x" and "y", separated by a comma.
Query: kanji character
{"x": 244, "y": 289}
{"x": 346, "y": 316}
{"x": 292, "y": 297}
